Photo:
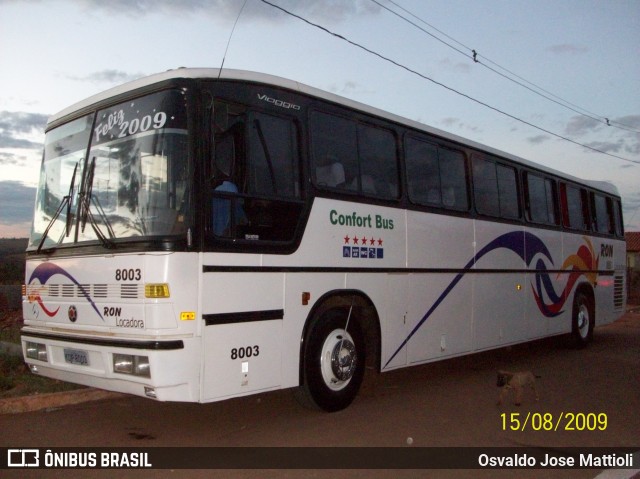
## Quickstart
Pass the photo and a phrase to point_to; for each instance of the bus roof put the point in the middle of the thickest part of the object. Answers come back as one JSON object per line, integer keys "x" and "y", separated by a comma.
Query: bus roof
{"x": 254, "y": 77}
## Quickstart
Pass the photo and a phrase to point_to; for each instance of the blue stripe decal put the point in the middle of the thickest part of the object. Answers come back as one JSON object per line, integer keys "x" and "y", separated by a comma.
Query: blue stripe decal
{"x": 525, "y": 245}
{"x": 45, "y": 271}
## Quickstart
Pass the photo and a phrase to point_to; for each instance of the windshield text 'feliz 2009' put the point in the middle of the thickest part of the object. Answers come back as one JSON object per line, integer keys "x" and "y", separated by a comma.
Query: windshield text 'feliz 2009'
{"x": 360, "y": 221}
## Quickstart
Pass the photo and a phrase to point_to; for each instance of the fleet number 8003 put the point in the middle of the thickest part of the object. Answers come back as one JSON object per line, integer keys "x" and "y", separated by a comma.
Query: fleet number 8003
{"x": 246, "y": 352}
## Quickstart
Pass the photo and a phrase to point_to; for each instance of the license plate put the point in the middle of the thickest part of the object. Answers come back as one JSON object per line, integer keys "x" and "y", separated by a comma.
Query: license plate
{"x": 75, "y": 356}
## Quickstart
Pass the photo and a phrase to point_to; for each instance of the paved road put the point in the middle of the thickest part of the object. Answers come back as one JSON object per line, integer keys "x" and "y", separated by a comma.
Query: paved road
{"x": 450, "y": 403}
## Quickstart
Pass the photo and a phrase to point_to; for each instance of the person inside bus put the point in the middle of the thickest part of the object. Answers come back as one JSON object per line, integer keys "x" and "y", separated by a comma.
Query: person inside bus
{"x": 330, "y": 172}
{"x": 222, "y": 204}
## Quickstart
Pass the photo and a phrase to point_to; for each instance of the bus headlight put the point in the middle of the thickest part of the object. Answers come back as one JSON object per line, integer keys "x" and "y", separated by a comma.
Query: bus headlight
{"x": 130, "y": 364}
{"x": 37, "y": 351}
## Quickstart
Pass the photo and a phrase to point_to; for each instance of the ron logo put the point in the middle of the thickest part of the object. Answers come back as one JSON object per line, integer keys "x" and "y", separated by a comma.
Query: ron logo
{"x": 23, "y": 458}
{"x": 606, "y": 250}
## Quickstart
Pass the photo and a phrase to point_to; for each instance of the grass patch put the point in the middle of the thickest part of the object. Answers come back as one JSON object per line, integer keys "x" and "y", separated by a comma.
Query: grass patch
{"x": 17, "y": 380}
{"x": 11, "y": 323}
{"x": 15, "y": 377}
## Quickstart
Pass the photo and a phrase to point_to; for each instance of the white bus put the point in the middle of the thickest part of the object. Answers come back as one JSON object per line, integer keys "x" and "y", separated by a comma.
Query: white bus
{"x": 200, "y": 235}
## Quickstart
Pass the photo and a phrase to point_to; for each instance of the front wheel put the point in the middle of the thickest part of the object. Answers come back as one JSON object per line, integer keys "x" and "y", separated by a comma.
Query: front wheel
{"x": 333, "y": 362}
{"x": 583, "y": 320}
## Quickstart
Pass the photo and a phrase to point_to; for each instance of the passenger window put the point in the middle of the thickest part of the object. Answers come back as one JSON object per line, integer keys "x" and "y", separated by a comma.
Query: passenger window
{"x": 335, "y": 151}
{"x": 508, "y": 192}
{"x": 453, "y": 176}
{"x": 354, "y": 157}
{"x": 575, "y": 207}
{"x": 540, "y": 199}
{"x": 602, "y": 210}
{"x": 378, "y": 162}
{"x": 617, "y": 214}
{"x": 423, "y": 173}
{"x": 436, "y": 176}
{"x": 495, "y": 189}
{"x": 485, "y": 187}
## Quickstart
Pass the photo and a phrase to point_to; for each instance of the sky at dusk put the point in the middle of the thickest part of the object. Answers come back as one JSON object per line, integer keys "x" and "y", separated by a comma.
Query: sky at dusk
{"x": 554, "y": 81}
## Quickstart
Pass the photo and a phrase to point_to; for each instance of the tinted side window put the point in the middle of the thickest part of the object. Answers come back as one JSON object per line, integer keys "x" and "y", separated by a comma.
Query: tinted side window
{"x": 617, "y": 214}
{"x": 335, "y": 151}
{"x": 436, "y": 176}
{"x": 378, "y": 162}
{"x": 575, "y": 207}
{"x": 495, "y": 189}
{"x": 540, "y": 199}
{"x": 508, "y": 192}
{"x": 423, "y": 172}
{"x": 485, "y": 187}
{"x": 602, "y": 211}
{"x": 354, "y": 157}
{"x": 453, "y": 175}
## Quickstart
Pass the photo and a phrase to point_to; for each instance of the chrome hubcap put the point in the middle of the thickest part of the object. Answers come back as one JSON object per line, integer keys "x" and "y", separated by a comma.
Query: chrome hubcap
{"x": 583, "y": 320}
{"x": 343, "y": 360}
{"x": 339, "y": 359}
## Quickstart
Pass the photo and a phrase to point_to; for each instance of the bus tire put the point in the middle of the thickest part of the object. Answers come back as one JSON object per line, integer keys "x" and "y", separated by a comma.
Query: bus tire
{"x": 583, "y": 320}
{"x": 333, "y": 362}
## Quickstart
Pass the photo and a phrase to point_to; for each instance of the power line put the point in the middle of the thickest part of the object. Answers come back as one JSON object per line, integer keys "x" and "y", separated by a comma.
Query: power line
{"x": 475, "y": 57}
{"x": 393, "y": 62}
{"x": 233, "y": 29}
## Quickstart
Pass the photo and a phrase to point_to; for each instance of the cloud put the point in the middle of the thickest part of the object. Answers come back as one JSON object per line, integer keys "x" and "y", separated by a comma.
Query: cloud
{"x": 9, "y": 159}
{"x": 327, "y": 10}
{"x": 580, "y": 125}
{"x": 457, "y": 67}
{"x": 348, "y": 89}
{"x": 17, "y": 202}
{"x": 538, "y": 139}
{"x": 567, "y": 49}
{"x": 607, "y": 146}
{"x": 452, "y": 122}
{"x": 629, "y": 121}
{"x": 108, "y": 76}
{"x": 15, "y": 126}
{"x": 623, "y": 133}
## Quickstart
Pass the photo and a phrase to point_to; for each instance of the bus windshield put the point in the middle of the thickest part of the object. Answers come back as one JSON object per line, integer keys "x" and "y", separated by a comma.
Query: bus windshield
{"x": 119, "y": 173}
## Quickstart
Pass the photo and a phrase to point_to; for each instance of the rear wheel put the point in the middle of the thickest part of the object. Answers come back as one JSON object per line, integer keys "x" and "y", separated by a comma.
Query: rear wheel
{"x": 583, "y": 320}
{"x": 333, "y": 362}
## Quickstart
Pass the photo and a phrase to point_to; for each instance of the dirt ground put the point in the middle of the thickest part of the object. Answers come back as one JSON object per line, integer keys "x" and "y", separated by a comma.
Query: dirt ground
{"x": 448, "y": 403}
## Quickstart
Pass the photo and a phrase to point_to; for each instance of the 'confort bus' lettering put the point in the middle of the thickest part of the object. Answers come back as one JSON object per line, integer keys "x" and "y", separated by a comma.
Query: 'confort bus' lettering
{"x": 359, "y": 221}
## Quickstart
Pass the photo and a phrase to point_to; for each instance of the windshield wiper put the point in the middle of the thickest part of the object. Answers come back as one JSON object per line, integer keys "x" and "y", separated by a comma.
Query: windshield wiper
{"x": 66, "y": 201}
{"x": 86, "y": 199}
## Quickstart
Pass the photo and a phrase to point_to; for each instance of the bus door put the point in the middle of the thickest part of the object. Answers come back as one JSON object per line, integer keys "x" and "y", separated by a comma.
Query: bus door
{"x": 242, "y": 340}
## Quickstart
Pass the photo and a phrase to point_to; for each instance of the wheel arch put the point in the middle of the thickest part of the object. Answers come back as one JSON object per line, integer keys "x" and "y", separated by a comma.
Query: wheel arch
{"x": 586, "y": 289}
{"x": 364, "y": 311}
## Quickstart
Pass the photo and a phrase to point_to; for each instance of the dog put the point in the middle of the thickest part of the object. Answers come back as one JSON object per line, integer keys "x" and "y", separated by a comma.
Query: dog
{"x": 516, "y": 381}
